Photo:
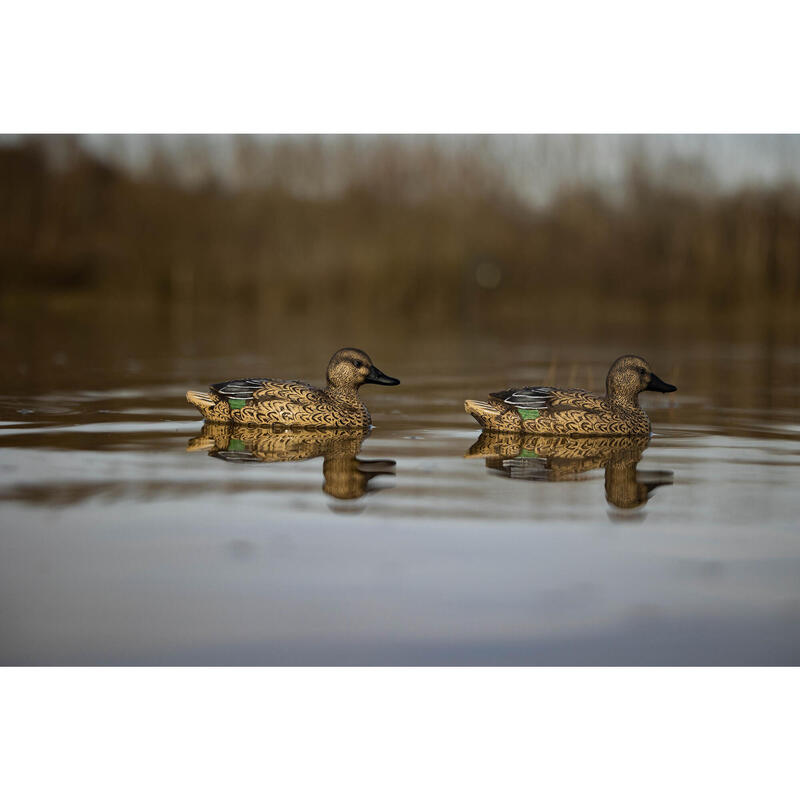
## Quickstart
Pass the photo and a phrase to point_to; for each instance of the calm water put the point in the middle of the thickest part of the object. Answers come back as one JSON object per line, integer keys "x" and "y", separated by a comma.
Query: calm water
{"x": 131, "y": 534}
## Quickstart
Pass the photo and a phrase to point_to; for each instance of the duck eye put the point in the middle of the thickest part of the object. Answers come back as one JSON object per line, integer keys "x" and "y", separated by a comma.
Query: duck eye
{"x": 358, "y": 364}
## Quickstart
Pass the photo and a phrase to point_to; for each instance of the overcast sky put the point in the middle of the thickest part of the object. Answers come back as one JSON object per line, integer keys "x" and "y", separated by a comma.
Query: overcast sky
{"x": 536, "y": 165}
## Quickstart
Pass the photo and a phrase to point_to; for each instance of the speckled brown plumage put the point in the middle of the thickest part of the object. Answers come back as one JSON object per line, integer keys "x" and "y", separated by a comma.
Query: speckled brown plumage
{"x": 346, "y": 477}
{"x": 548, "y": 411}
{"x": 292, "y": 404}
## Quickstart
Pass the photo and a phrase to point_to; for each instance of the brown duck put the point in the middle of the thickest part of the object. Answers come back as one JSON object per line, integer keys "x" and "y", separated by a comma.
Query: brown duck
{"x": 292, "y": 404}
{"x": 573, "y": 412}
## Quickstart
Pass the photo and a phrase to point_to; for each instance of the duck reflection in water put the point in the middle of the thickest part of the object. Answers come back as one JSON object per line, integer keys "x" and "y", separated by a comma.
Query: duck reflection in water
{"x": 346, "y": 477}
{"x": 564, "y": 458}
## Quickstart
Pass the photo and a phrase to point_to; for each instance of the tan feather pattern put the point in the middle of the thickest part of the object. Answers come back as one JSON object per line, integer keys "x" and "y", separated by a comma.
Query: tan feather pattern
{"x": 294, "y": 404}
{"x": 594, "y": 419}
{"x": 291, "y": 391}
{"x": 577, "y": 399}
{"x": 576, "y": 415}
{"x": 574, "y": 412}
{"x": 321, "y": 413}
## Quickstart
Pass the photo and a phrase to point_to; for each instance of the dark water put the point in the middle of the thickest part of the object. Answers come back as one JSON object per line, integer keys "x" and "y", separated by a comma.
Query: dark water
{"x": 132, "y": 535}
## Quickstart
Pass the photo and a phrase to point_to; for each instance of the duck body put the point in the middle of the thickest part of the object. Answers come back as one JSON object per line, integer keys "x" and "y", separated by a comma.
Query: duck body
{"x": 545, "y": 410}
{"x": 293, "y": 404}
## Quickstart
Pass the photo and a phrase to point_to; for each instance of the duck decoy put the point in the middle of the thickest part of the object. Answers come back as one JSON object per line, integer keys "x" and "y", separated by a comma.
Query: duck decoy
{"x": 574, "y": 412}
{"x": 292, "y": 404}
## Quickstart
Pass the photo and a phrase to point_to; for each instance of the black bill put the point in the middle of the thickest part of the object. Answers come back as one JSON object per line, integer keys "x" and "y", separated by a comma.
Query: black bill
{"x": 376, "y": 376}
{"x": 657, "y": 385}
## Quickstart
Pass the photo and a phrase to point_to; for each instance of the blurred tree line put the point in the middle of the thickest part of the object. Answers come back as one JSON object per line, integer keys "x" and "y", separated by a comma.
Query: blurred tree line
{"x": 409, "y": 232}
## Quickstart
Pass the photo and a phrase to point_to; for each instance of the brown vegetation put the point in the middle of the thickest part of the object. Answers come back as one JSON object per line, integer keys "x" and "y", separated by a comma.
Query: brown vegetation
{"x": 399, "y": 236}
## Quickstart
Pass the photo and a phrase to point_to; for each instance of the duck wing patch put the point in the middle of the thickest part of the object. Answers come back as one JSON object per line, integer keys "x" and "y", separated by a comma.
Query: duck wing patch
{"x": 531, "y": 397}
{"x": 241, "y": 389}
{"x": 528, "y": 402}
{"x": 264, "y": 389}
{"x": 532, "y": 401}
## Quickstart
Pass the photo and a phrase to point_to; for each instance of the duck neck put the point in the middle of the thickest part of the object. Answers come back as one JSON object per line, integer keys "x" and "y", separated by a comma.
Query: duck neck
{"x": 624, "y": 399}
{"x": 348, "y": 395}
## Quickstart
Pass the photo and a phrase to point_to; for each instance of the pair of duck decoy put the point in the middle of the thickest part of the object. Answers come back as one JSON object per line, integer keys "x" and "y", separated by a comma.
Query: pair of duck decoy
{"x": 541, "y": 410}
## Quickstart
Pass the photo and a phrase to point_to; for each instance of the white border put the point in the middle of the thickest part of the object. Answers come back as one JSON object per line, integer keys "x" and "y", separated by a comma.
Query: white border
{"x": 399, "y": 67}
{"x": 400, "y": 733}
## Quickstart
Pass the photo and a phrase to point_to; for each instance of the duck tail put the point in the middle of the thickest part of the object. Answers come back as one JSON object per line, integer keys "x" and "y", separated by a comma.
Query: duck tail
{"x": 212, "y": 408}
{"x": 486, "y": 415}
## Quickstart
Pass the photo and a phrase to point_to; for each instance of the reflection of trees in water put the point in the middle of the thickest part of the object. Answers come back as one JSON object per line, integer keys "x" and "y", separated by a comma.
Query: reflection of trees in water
{"x": 346, "y": 476}
{"x": 556, "y": 458}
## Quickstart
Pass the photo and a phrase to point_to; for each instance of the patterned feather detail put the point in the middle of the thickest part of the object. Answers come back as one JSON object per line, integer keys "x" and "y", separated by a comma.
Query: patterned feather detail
{"x": 294, "y": 392}
{"x": 529, "y": 397}
{"x": 289, "y": 404}
{"x": 549, "y": 411}
{"x": 241, "y": 389}
{"x": 574, "y": 412}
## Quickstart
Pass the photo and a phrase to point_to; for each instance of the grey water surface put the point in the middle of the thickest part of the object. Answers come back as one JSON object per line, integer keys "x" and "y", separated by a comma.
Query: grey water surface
{"x": 132, "y": 536}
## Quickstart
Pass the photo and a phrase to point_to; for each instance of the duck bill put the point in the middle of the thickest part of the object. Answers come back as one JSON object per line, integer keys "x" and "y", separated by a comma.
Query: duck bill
{"x": 376, "y": 376}
{"x": 657, "y": 385}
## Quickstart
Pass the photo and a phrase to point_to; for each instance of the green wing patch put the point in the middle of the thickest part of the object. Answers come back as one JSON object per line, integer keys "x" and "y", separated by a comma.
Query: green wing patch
{"x": 235, "y": 402}
{"x": 528, "y": 413}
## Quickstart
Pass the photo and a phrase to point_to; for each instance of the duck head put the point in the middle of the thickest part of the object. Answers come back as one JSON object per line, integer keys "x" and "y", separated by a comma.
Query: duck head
{"x": 350, "y": 368}
{"x": 630, "y": 375}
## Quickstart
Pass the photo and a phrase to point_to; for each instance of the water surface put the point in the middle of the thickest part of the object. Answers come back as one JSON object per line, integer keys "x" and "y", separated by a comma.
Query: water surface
{"x": 132, "y": 535}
